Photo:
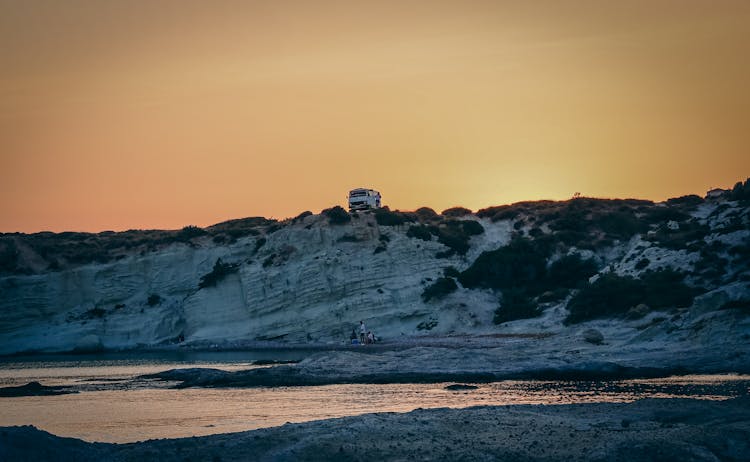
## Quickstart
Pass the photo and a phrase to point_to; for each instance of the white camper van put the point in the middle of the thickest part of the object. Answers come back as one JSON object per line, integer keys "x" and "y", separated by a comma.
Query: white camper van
{"x": 363, "y": 199}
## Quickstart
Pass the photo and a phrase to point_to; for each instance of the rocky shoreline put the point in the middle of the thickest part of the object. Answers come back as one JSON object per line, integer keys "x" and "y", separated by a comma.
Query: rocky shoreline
{"x": 653, "y": 429}
{"x": 481, "y": 360}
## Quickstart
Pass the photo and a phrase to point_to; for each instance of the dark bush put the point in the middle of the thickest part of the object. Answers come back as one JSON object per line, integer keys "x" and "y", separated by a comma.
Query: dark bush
{"x": 154, "y": 300}
{"x": 419, "y": 232}
{"x": 661, "y": 214}
{"x": 689, "y": 201}
{"x": 570, "y": 271}
{"x": 517, "y": 264}
{"x": 536, "y": 232}
{"x": 385, "y": 217}
{"x": 609, "y": 295}
{"x": 742, "y": 305}
{"x": 553, "y": 295}
{"x": 455, "y": 240}
{"x": 439, "y": 289}
{"x": 302, "y": 216}
{"x": 677, "y": 239}
{"x": 189, "y": 232}
{"x": 740, "y": 191}
{"x": 516, "y": 305}
{"x": 219, "y": 272}
{"x": 620, "y": 225}
{"x": 711, "y": 266}
{"x": 456, "y": 212}
{"x": 426, "y": 214}
{"x": 471, "y": 227}
{"x": 337, "y": 215}
{"x": 379, "y": 249}
{"x": 613, "y": 295}
{"x": 8, "y": 256}
{"x": 455, "y": 235}
{"x": 451, "y": 272}
{"x": 642, "y": 263}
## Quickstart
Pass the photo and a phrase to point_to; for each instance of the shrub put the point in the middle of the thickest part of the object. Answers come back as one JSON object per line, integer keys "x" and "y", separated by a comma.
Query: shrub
{"x": 456, "y": 212}
{"x": 455, "y": 240}
{"x": 8, "y": 256}
{"x": 676, "y": 239}
{"x": 608, "y": 295}
{"x": 385, "y": 217}
{"x": 517, "y": 264}
{"x": 471, "y": 227}
{"x": 642, "y": 263}
{"x": 189, "y": 232}
{"x": 455, "y": 235}
{"x": 337, "y": 215}
{"x": 426, "y": 214}
{"x": 740, "y": 191}
{"x": 451, "y": 272}
{"x": 439, "y": 289}
{"x": 620, "y": 224}
{"x": 742, "y": 305}
{"x": 219, "y": 272}
{"x": 536, "y": 232}
{"x": 420, "y": 232}
{"x": 154, "y": 300}
{"x": 661, "y": 214}
{"x": 302, "y": 216}
{"x": 553, "y": 295}
{"x": 689, "y": 201}
{"x": 516, "y": 305}
{"x": 570, "y": 270}
{"x": 613, "y": 295}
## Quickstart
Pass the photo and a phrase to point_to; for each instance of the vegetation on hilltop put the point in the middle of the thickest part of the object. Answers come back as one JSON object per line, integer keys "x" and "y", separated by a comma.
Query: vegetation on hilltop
{"x": 46, "y": 251}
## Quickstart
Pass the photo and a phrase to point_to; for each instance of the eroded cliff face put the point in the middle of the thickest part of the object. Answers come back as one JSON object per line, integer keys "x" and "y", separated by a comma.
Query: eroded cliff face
{"x": 309, "y": 281}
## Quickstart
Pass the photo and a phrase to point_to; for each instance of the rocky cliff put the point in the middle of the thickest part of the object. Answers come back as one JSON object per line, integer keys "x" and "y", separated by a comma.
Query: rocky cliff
{"x": 526, "y": 267}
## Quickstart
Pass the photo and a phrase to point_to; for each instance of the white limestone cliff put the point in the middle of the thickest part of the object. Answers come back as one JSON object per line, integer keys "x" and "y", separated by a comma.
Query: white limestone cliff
{"x": 304, "y": 285}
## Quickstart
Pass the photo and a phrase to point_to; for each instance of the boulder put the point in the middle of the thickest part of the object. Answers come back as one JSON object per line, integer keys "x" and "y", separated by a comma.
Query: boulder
{"x": 593, "y": 336}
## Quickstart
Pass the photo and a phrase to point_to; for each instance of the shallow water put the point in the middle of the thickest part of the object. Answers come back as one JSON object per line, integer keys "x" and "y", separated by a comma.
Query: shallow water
{"x": 122, "y": 410}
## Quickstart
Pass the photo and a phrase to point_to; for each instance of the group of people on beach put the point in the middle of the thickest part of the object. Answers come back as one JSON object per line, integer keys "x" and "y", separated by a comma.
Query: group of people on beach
{"x": 366, "y": 337}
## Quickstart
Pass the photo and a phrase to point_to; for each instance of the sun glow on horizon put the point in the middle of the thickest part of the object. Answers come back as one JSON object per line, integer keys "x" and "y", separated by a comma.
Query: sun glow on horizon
{"x": 120, "y": 115}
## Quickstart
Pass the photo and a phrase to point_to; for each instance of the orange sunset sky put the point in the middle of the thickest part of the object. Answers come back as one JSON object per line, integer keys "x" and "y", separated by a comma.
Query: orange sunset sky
{"x": 158, "y": 114}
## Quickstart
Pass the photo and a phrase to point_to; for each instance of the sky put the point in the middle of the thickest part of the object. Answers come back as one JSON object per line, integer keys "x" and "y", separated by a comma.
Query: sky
{"x": 159, "y": 114}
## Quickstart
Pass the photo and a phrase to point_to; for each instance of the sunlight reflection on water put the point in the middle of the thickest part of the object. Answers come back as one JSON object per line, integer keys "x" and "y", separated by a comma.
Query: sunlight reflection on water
{"x": 145, "y": 412}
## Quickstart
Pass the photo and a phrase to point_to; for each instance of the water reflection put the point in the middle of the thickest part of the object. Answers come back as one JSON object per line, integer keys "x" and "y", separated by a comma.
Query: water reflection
{"x": 138, "y": 414}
